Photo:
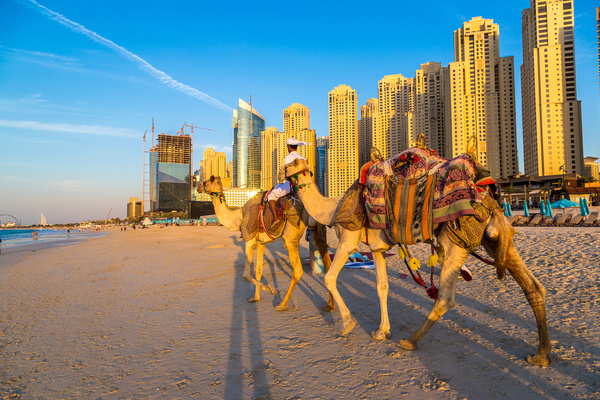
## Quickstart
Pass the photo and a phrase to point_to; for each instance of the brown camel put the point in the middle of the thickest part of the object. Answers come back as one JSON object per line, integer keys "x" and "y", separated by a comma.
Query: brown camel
{"x": 297, "y": 219}
{"x": 497, "y": 241}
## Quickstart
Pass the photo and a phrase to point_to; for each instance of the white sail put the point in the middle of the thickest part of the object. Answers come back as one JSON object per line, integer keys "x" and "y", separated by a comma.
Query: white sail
{"x": 43, "y": 220}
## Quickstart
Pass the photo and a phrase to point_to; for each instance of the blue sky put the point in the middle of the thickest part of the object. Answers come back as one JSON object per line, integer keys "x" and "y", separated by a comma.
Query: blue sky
{"x": 80, "y": 81}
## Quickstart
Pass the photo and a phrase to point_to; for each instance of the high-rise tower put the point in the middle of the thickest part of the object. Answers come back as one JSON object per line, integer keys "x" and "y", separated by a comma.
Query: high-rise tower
{"x": 552, "y": 134}
{"x": 247, "y": 125}
{"x": 429, "y": 105}
{"x": 368, "y": 125}
{"x": 395, "y": 95}
{"x": 480, "y": 99}
{"x": 342, "y": 165}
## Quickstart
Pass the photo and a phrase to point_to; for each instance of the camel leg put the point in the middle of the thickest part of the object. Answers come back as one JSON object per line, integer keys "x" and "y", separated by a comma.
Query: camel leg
{"x": 319, "y": 235}
{"x": 291, "y": 245}
{"x": 250, "y": 245}
{"x": 348, "y": 244}
{"x": 454, "y": 258}
{"x": 383, "y": 332}
{"x": 536, "y": 297}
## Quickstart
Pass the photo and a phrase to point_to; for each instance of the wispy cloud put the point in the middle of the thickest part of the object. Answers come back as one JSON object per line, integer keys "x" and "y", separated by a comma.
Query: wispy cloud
{"x": 72, "y": 185}
{"x": 68, "y": 128}
{"x": 40, "y": 57}
{"x": 142, "y": 64}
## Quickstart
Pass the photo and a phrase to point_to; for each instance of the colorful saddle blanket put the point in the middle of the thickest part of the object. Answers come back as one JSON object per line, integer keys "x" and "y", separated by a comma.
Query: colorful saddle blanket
{"x": 453, "y": 188}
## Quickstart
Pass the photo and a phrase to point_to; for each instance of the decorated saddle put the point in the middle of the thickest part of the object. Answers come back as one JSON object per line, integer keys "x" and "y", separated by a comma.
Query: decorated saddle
{"x": 252, "y": 213}
{"x": 411, "y": 192}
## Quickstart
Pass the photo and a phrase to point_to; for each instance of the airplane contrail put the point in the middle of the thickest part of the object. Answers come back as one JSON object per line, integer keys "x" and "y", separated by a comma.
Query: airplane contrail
{"x": 143, "y": 64}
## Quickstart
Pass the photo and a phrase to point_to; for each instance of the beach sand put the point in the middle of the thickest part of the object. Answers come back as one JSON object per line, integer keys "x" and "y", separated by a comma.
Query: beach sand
{"x": 162, "y": 313}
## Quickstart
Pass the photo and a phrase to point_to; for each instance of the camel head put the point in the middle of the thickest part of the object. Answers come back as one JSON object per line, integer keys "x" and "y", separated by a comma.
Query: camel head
{"x": 295, "y": 167}
{"x": 213, "y": 184}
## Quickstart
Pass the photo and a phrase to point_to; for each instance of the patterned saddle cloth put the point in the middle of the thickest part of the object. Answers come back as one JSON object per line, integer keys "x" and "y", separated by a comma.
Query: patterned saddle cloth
{"x": 251, "y": 217}
{"x": 397, "y": 189}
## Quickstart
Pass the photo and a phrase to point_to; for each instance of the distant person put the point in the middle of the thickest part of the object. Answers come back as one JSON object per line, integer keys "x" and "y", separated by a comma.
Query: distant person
{"x": 284, "y": 188}
{"x": 0, "y": 245}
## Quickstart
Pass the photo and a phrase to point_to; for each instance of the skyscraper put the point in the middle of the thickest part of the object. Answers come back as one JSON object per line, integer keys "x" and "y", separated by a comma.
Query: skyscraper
{"x": 481, "y": 101}
{"x": 296, "y": 121}
{"x": 395, "y": 95}
{"x": 321, "y": 164}
{"x": 429, "y": 105}
{"x": 171, "y": 166}
{"x": 247, "y": 126}
{"x": 368, "y": 125}
{"x": 213, "y": 163}
{"x": 552, "y": 134}
{"x": 342, "y": 168}
{"x": 296, "y": 118}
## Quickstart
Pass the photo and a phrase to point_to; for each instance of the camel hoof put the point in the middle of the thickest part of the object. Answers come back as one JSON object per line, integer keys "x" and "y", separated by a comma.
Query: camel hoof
{"x": 348, "y": 326}
{"x": 407, "y": 344}
{"x": 378, "y": 335}
{"x": 538, "y": 359}
{"x": 328, "y": 308}
{"x": 253, "y": 300}
{"x": 282, "y": 307}
{"x": 272, "y": 290}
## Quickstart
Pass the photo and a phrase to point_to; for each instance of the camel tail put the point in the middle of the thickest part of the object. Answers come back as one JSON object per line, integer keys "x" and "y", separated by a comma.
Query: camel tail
{"x": 505, "y": 240}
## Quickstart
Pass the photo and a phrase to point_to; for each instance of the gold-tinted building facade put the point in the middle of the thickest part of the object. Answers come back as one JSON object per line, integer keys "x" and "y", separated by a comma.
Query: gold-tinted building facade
{"x": 342, "y": 168}
{"x": 552, "y": 132}
{"x": 480, "y": 99}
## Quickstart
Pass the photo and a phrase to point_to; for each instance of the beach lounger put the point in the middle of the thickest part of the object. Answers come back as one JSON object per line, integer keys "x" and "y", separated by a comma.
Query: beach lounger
{"x": 522, "y": 221}
{"x": 512, "y": 219}
{"x": 590, "y": 219}
{"x": 537, "y": 218}
{"x": 562, "y": 219}
{"x": 576, "y": 220}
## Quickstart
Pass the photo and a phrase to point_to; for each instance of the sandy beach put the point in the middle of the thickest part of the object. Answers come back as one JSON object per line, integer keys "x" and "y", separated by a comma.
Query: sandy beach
{"x": 162, "y": 313}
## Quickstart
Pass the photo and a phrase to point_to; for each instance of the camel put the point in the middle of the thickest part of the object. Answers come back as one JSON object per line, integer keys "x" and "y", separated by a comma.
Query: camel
{"x": 497, "y": 241}
{"x": 297, "y": 219}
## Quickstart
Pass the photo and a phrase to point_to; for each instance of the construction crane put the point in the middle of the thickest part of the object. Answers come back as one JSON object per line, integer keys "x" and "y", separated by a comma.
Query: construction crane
{"x": 191, "y": 126}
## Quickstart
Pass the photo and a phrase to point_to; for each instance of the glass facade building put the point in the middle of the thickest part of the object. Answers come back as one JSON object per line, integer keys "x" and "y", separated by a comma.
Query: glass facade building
{"x": 247, "y": 126}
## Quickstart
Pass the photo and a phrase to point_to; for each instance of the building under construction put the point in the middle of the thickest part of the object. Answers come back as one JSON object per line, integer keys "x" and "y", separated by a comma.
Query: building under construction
{"x": 171, "y": 173}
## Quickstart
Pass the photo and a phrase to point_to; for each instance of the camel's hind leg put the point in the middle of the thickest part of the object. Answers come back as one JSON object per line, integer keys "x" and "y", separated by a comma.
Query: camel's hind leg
{"x": 291, "y": 245}
{"x": 348, "y": 244}
{"x": 250, "y": 245}
{"x": 453, "y": 258}
{"x": 319, "y": 235}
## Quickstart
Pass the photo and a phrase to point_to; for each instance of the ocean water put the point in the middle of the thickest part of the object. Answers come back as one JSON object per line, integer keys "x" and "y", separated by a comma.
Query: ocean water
{"x": 20, "y": 237}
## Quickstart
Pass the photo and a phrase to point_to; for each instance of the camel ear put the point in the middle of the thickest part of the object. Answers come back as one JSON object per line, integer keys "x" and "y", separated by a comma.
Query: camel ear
{"x": 295, "y": 162}
{"x": 212, "y": 178}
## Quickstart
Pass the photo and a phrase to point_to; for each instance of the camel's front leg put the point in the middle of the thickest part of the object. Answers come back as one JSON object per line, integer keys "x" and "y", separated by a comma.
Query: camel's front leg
{"x": 291, "y": 246}
{"x": 320, "y": 241}
{"x": 536, "y": 296}
{"x": 250, "y": 245}
{"x": 453, "y": 258}
{"x": 383, "y": 332}
{"x": 348, "y": 245}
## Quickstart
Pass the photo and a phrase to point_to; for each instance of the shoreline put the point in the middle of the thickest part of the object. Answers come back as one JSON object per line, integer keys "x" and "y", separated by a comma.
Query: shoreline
{"x": 162, "y": 313}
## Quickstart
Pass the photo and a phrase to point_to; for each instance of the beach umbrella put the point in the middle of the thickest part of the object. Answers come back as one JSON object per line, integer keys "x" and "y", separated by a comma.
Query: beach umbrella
{"x": 508, "y": 209}
{"x": 582, "y": 207}
{"x": 585, "y": 204}
{"x": 517, "y": 202}
{"x": 549, "y": 212}
{"x": 564, "y": 203}
{"x": 543, "y": 208}
{"x": 525, "y": 209}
